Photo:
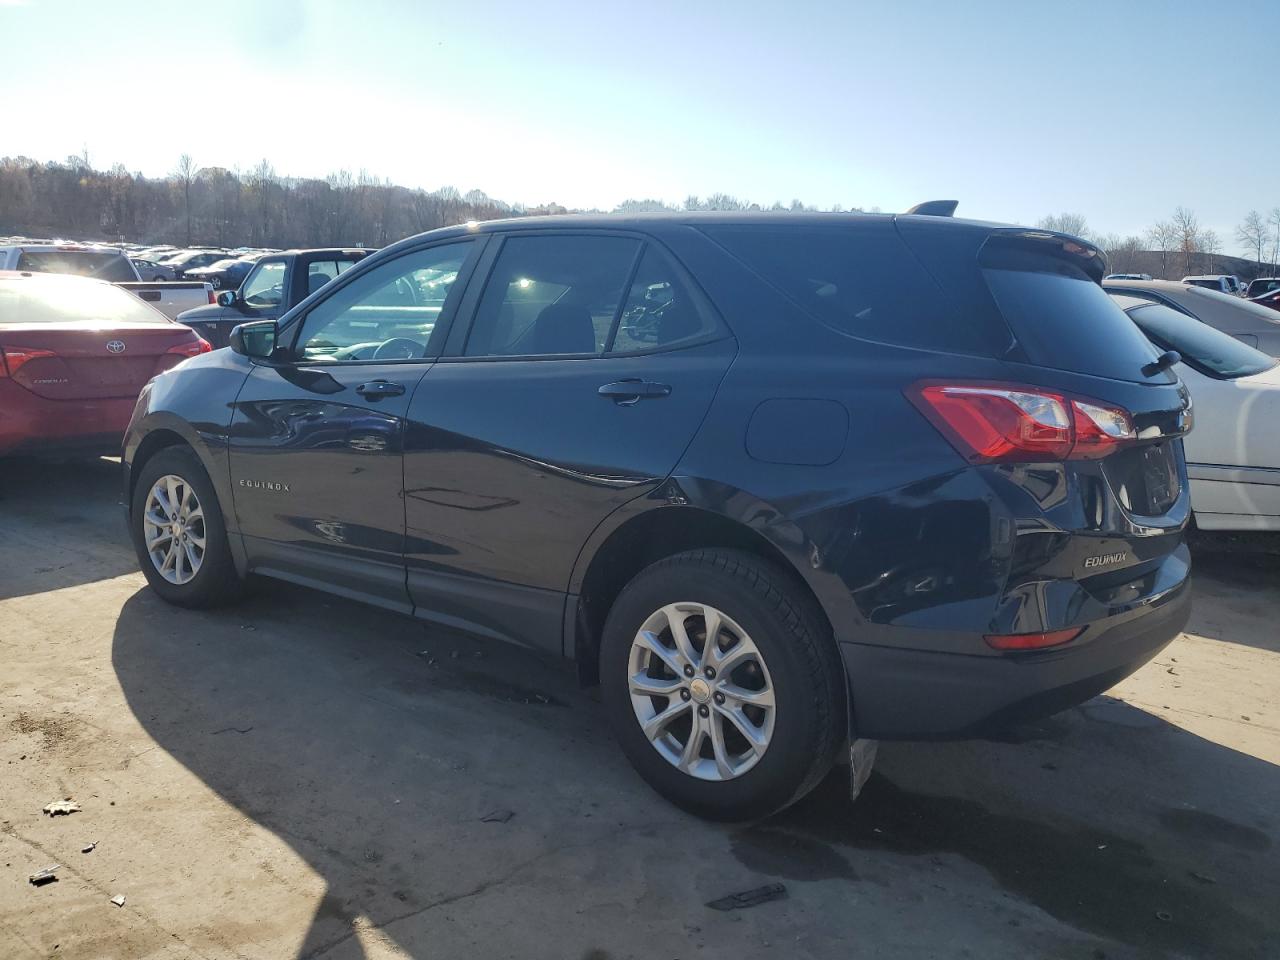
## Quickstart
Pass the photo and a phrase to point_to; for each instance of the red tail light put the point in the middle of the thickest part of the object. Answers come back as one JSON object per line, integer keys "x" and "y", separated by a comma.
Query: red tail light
{"x": 192, "y": 348}
{"x": 12, "y": 358}
{"x": 212, "y": 298}
{"x": 1032, "y": 641}
{"x": 1003, "y": 423}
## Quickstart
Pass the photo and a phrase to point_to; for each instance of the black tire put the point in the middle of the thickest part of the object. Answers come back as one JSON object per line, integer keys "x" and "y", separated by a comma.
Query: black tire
{"x": 216, "y": 582}
{"x": 794, "y": 640}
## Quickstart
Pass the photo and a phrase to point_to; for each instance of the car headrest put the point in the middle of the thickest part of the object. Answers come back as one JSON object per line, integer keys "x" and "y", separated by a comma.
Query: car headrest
{"x": 564, "y": 328}
{"x": 315, "y": 281}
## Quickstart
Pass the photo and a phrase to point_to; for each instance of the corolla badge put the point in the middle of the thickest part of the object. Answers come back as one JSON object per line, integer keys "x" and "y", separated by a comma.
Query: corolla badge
{"x": 115, "y": 346}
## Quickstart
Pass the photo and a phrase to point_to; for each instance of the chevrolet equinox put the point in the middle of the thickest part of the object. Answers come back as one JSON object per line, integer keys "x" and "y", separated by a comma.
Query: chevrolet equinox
{"x": 779, "y": 484}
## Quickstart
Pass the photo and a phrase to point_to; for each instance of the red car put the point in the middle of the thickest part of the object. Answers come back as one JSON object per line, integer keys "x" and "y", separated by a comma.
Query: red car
{"x": 74, "y": 354}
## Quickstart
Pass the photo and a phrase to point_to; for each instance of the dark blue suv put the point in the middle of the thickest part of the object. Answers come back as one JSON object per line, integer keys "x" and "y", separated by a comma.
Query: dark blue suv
{"x": 782, "y": 485}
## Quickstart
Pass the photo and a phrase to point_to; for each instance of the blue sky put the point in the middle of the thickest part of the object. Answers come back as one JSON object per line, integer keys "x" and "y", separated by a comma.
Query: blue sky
{"x": 1120, "y": 111}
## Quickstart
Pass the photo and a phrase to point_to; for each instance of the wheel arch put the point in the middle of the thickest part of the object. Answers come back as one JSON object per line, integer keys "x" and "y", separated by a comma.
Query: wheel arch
{"x": 652, "y": 529}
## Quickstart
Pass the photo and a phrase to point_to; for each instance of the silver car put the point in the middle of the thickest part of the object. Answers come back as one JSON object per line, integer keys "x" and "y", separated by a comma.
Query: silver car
{"x": 1247, "y": 322}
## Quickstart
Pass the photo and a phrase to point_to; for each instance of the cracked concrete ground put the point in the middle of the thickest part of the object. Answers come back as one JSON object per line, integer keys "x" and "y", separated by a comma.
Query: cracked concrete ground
{"x": 304, "y": 777}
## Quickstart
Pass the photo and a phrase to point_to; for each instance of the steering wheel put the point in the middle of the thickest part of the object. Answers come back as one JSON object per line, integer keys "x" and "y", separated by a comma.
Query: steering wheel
{"x": 398, "y": 348}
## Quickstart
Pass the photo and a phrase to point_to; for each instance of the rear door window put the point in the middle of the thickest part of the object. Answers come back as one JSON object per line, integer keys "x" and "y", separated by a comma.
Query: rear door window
{"x": 863, "y": 282}
{"x": 1062, "y": 319}
{"x": 552, "y": 295}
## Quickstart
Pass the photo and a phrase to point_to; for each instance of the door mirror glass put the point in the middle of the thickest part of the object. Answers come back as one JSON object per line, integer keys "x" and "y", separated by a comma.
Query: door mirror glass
{"x": 226, "y": 298}
{"x": 256, "y": 340}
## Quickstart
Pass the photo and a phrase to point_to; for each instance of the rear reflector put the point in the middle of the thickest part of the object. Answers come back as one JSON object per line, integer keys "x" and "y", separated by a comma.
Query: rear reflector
{"x": 12, "y": 358}
{"x": 192, "y": 348}
{"x": 1010, "y": 423}
{"x": 1032, "y": 641}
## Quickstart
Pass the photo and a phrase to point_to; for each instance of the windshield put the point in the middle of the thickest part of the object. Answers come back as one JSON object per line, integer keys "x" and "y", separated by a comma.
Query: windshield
{"x": 60, "y": 301}
{"x": 100, "y": 264}
{"x": 1210, "y": 351}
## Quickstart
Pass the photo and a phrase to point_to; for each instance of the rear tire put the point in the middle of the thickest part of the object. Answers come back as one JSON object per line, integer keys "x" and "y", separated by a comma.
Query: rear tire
{"x": 771, "y": 721}
{"x": 179, "y": 534}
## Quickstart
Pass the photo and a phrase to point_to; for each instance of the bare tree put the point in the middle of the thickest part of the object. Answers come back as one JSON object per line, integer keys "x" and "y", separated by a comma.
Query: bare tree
{"x": 1072, "y": 223}
{"x": 1187, "y": 227}
{"x": 186, "y": 173}
{"x": 1252, "y": 235}
{"x": 1163, "y": 238}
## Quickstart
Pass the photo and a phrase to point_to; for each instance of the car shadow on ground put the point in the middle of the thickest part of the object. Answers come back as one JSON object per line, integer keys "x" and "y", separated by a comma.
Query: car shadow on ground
{"x": 81, "y": 499}
{"x": 317, "y": 718}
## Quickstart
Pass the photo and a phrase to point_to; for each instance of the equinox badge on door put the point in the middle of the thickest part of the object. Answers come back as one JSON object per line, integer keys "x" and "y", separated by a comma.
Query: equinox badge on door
{"x": 266, "y": 485}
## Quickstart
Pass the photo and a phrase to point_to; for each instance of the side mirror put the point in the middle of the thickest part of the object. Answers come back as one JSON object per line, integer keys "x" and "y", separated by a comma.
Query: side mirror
{"x": 226, "y": 298}
{"x": 255, "y": 340}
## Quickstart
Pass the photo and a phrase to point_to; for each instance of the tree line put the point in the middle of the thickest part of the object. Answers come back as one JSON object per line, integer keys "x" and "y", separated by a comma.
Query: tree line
{"x": 214, "y": 206}
{"x": 1179, "y": 246}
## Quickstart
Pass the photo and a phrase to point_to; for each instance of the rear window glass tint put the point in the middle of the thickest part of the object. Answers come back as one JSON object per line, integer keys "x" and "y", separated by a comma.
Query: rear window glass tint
{"x": 863, "y": 282}
{"x": 112, "y": 267}
{"x": 1064, "y": 320}
{"x": 1208, "y": 350}
{"x": 58, "y": 301}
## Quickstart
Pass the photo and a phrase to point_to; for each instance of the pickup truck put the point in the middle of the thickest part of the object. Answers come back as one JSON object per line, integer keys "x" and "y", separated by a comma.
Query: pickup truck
{"x": 274, "y": 285}
{"x": 105, "y": 263}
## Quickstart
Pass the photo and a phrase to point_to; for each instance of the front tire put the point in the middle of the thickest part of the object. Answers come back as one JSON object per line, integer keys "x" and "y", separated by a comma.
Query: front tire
{"x": 179, "y": 534}
{"x": 722, "y": 684}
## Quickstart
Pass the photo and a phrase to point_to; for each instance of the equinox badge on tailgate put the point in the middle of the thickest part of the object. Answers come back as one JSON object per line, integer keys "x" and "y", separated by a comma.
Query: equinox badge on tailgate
{"x": 1106, "y": 559}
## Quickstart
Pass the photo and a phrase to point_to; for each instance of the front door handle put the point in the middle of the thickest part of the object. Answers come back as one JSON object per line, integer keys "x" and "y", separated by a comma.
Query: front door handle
{"x": 626, "y": 393}
{"x": 377, "y": 389}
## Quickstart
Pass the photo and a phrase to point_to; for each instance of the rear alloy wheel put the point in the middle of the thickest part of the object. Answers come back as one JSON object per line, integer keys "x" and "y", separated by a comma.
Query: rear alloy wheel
{"x": 701, "y": 691}
{"x": 722, "y": 683}
{"x": 178, "y": 531}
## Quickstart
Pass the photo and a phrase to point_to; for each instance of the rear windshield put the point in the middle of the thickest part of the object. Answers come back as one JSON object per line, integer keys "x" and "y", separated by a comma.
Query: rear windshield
{"x": 1210, "y": 351}
{"x": 1064, "y": 320}
{"x": 101, "y": 265}
{"x": 57, "y": 301}
{"x": 863, "y": 282}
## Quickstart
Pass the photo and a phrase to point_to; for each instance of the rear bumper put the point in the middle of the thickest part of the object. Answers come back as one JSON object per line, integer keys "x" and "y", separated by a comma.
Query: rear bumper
{"x": 907, "y": 694}
{"x": 34, "y": 425}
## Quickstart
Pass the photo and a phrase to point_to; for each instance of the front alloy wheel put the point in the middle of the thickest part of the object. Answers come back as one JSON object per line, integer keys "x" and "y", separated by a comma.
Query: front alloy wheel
{"x": 701, "y": 691}
{"x": 173, "y": 529}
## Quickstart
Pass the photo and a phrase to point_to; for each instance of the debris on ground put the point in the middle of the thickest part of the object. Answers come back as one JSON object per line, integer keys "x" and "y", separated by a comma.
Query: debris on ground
{"x": 498, "y": 816}
{"x": 62, "y": 807}
{"x": 231, "y": 730}
{"x": 1164, "y": 915}
{"x": 1202, "y": 877}
{"x": 89, "y": 847}
{"x": 750, "y": 898}
{"x": 48, "y": 875}
{"x": 118, "y": 899}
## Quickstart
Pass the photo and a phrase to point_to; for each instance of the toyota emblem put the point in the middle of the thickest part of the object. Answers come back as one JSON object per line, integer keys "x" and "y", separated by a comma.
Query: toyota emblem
{"x": 115, "y": 346}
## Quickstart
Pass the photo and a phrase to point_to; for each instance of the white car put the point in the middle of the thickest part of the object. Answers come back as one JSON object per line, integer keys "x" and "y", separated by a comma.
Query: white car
{"x": 1249, "y": 323}
{"x": 1233, "y": 451}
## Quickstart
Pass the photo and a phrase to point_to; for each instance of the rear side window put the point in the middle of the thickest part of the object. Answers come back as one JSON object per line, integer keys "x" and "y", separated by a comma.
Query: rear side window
{"x": 659, "y": 310}
{"x": 1062, "y": 319}
{"x": 112, "y": 267}
{"x": 863, "y": 282}
{"x": 1208, "y": 350}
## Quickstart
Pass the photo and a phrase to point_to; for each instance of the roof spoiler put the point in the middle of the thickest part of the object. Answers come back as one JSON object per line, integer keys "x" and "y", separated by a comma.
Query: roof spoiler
{"x": 934, "y": 208}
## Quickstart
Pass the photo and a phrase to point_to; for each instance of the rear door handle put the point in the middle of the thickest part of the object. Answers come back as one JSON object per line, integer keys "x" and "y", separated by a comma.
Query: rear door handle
{"x": 625, "y": 393}
{"x": 377, "y": 389}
